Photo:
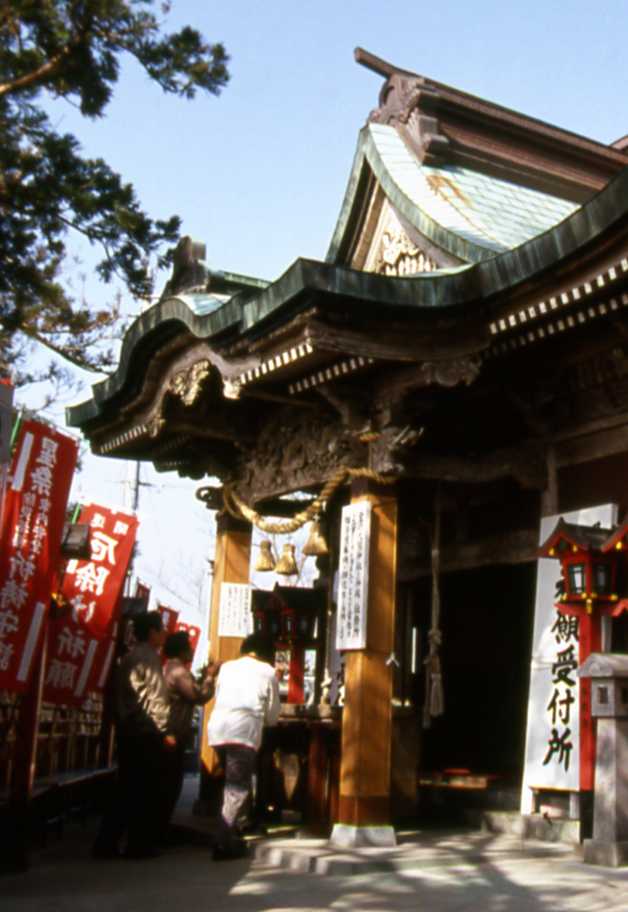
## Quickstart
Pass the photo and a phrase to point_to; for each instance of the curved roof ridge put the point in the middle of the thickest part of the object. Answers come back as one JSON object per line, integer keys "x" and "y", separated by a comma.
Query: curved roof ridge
{"x": 466, "y": 213}
{"x": 477, "y": 103}
{"x": 428, "y": 290}
{"x": 399, "y": 187}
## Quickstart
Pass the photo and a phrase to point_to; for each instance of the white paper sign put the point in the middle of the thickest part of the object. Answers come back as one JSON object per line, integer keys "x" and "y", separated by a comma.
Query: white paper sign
{"x": 353, "y": 576}
{"x": 552, "y": 753}
{"x": 234, "y": 613}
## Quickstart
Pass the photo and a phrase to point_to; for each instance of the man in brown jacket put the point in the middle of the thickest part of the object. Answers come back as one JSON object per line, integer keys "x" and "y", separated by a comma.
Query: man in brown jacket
{"x": 184, "y": 693}
{"x": 143, "y": 735}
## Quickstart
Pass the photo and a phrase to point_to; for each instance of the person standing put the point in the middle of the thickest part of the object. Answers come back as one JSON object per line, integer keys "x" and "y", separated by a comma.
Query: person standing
{"x": 247, "y": 699}
{"x": 142, "y": 711}
{"x": 184, "y": 693}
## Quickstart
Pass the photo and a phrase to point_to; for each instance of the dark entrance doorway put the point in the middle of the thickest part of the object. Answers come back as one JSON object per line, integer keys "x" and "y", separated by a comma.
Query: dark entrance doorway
{"x": 487, "y": 619}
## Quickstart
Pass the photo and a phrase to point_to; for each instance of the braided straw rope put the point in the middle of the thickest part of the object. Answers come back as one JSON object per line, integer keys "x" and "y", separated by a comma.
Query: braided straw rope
{"x": 237, "y": 508}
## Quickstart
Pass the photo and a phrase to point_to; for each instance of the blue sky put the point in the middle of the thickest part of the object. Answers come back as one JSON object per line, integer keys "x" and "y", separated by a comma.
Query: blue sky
{"x": 258, "y": 174}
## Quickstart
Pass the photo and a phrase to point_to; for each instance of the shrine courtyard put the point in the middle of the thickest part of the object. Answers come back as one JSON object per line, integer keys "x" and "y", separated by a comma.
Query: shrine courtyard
{"x": 429, "y": 870}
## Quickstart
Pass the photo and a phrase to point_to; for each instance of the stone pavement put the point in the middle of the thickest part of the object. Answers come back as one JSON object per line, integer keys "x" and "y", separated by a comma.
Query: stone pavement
{"x": 429, "y": 871}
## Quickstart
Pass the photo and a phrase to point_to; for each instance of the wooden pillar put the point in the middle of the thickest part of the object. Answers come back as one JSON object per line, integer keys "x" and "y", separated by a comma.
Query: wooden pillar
{"x": 549, "y": 497}
{"x": 231, "y": 565}
{"x": 365, "y": 768}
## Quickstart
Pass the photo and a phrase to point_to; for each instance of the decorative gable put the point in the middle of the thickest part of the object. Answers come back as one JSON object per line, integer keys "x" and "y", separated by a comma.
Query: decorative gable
{"x": 389, "y": 250}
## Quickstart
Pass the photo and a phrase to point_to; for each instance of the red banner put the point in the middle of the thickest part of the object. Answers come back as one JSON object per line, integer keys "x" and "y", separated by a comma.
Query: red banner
{"x": 169, "y": 618}
{"x": 74, "y": 661}
{"x": 32, "y": 525}
{"x": 142, "y": 591}
{"x": 93, "y": 587}
{"x": 193, "y": 631}
{"x": 81, "y": 639}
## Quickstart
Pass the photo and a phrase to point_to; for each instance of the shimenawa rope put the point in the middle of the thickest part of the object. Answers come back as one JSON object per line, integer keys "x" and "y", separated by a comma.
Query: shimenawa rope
{"x": 239, "y": 509}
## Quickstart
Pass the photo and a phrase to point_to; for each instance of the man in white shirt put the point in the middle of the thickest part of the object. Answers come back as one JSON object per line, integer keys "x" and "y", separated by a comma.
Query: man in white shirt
{"x": 247, "y": 699}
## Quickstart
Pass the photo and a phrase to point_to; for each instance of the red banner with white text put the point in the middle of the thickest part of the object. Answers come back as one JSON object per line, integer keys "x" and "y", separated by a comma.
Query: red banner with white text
{"x": 32, "y": 525}
{"x": 142, "y": 591}
{"x": 93, "y": 587}
{"x": 77, "y": 663}
{"x": 81, "y": 638}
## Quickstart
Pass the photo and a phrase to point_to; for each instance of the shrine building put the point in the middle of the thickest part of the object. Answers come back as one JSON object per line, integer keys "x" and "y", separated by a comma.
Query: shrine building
{"x": 435, "y": 396}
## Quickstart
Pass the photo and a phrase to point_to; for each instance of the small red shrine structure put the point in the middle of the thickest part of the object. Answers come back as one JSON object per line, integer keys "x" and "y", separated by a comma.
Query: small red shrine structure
{"x": 588, "y": 592}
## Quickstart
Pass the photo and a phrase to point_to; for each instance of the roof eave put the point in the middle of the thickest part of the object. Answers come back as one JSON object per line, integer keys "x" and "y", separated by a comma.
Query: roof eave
{"x": 424, "y": 292}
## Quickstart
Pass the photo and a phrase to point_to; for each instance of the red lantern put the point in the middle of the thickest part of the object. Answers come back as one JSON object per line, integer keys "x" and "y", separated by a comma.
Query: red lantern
{"x": 589, "y": 569}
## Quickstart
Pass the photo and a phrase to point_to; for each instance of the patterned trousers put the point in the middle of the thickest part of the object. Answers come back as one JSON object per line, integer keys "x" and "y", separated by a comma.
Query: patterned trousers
{"x": 238, "y": 763}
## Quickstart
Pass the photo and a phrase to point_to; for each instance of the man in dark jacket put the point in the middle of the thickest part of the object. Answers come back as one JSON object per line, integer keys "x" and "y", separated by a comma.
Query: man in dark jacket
{"x": 142, "y": 719}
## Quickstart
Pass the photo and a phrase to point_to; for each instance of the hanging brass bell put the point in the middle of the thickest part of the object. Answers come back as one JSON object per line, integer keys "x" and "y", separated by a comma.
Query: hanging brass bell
{"x": 265, "y": 560}
{"x": 287, "y": 565}
{"x": 315, "y": 545}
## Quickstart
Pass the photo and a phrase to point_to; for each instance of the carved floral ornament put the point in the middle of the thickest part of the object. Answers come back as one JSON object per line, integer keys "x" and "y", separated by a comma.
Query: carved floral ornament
{"x": 402, "y": 95}
{"x": 396, "y": 255}
{"x": 451, "y": 373}
{"x": 186, "y": 384}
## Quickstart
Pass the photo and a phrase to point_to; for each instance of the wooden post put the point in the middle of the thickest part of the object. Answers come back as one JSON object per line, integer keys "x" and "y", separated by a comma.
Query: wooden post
{"x": 231, "y": 565}
{"x": 549, "y": 497}
{"x": 365, "y": 766}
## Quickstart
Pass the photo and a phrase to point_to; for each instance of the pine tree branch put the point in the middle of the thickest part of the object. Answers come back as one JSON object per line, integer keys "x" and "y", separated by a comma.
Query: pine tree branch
{"x": 76, "y": 360}
{"x": 46, "y": 70}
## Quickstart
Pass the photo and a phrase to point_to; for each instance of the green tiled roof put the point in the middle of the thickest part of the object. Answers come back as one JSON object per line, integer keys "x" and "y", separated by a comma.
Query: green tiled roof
{"x": 204, "y": 317}
{"x": 469, "y": 214}
{"x": 490, "y": 211}
{"x": 202, "y": 304}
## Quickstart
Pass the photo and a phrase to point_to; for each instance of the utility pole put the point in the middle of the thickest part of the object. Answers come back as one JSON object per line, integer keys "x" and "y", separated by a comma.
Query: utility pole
{"x": 135, "y": 484}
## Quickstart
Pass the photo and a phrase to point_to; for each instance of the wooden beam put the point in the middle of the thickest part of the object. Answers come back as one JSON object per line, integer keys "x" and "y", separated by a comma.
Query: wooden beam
{"x": 207, "y": 431}
{"x": 587, "y": 448}
{"x": 525, "y": 463}
{"x": 415, "y": 345}
{"x": 375, "y": 64}
{"x": 516, "y": 547}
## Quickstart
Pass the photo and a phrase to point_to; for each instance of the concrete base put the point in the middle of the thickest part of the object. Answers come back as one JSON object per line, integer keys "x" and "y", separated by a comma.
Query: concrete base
{"x": 344, "y": 836}
{"x": 610, "y": 854}
{"x": 529, "y": 826}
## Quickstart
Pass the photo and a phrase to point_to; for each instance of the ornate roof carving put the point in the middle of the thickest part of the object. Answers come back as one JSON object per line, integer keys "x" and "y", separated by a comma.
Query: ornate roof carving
{"x": 444, "y": 123}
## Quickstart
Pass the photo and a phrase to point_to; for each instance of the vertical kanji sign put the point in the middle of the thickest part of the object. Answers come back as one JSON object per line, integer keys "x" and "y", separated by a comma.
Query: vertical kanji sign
{"x": 553, "y": 753}
{"x": 77, "y": 662}
{"x": 32, "y": 525}
{"x": 353, "y": 576}
{"x": 93, "y": 587}
{"x": 80, "y": 640}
